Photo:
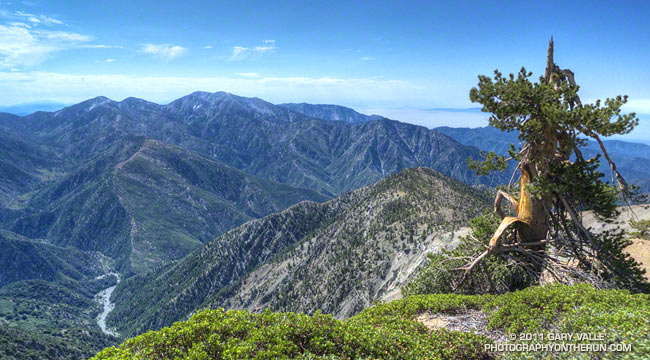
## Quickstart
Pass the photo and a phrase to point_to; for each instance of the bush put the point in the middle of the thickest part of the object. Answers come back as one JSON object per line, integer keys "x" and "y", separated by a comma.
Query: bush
{"x": 220, "y": 334}
{"x": 388, "y": 331}
{"x": 494, "y": 275}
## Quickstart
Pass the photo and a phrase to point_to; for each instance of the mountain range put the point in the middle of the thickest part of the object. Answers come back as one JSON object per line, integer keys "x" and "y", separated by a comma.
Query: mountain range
{"x": 255, "y": 136}
{"x": 144, "y": 203}
{"x": 32, "y": 107}
{"x": 47, "y": 306}
{"x": 220, "y": 200}
{"x": 138, "y": 186}
{"x": 145, "y": 183}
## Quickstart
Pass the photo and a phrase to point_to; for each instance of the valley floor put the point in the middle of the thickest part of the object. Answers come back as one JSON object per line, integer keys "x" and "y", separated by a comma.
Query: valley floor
{"x": 104, "y": 298}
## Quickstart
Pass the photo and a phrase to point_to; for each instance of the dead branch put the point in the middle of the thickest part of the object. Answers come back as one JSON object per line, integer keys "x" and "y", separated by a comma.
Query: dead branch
{"x": 574, "y": 216}
{"x": 513, "y": 176}
{"x": 534, "y": 243}
{"x": 469, "y": 268}
{"x": 507, "y": 221}
{"x": 535, "y": 161}
{"x": 499, "y": 198}
{"x": 619, "y": 179}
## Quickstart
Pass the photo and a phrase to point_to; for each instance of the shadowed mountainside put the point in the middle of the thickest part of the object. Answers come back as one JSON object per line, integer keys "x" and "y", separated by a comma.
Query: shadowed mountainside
{"x": 337, "y": 256}
{"x": 257, "y": 137}
{"x": 145, "y": 203}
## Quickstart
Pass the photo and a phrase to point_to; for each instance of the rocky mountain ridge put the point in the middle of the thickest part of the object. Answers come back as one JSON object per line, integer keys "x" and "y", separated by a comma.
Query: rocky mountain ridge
{"x": 331, "y": 112}
{"x": 336, "y": 257}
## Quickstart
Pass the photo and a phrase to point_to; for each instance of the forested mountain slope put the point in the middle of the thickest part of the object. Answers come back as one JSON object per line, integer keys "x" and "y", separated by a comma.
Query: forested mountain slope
{"x": 145, "y": 203}
{"x": 337, "y": 256}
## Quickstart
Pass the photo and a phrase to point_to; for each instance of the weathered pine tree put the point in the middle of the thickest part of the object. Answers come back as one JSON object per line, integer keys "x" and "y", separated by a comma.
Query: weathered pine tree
{"x": 556, "y": 181}
{"x": 543, "y": 235}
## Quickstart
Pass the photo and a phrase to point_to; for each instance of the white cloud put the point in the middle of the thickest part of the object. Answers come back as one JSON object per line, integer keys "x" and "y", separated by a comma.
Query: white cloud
{"x": 39, "y": 19}
{"x": 241, "y": 52}
{"x": 367, "y": 58}
{"x": 208, "y": 47}
{"x": 29, "y": 40}
{"x": 52, "y": 21}
{"x": 163, "y": 51}
{"x": 22, "y": 46}
{"x": 264, "y": 48}
{"x": 22, "y": 24}
{"x": 249, "y": 74}
{"x": 21, "y": 87}
{"x": 100, "y": 46}
{"x": 61, "y": 36}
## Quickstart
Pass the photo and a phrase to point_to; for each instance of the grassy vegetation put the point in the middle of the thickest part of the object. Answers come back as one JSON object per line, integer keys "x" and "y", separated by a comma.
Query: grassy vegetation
{"x": 390, "y": 331}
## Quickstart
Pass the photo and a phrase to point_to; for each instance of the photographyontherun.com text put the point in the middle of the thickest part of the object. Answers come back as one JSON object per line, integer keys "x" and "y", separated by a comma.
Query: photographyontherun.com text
{"x": 557, "y": 342}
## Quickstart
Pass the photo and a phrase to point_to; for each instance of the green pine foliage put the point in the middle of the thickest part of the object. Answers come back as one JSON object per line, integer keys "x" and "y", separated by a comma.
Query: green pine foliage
{"x": 641, "y": 229}
{"x": 553, "y": 126}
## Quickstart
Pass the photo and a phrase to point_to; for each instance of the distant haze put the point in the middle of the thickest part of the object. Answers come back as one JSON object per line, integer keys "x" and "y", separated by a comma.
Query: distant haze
{"x": 432, "y": 118}
{"x": 395, "y": 60}
{"x": 429, "y": 118}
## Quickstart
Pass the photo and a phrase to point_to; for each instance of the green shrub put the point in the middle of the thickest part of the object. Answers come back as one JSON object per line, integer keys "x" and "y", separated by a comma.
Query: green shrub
{"x": 494, "y": 275}
{"x": 389, "y": 331}
{"x": 220, "y": 334}
{"x": 641, "y": 229}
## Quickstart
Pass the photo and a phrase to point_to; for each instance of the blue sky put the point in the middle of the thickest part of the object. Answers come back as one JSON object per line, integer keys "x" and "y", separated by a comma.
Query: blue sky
{"x": 393, "y": 58}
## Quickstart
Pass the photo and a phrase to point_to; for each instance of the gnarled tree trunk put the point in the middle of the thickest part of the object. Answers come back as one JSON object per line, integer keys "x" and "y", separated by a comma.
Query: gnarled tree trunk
{"x": 531, "y": 220}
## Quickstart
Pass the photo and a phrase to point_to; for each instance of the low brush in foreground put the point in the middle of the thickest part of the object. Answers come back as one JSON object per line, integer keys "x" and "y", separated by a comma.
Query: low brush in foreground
{"x": 391, "y": 331}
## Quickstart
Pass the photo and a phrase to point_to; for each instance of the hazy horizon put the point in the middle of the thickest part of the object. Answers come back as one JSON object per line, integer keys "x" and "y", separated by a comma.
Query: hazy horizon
{"x": 430, "y": 118}
{"x": 370, "y": 56}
